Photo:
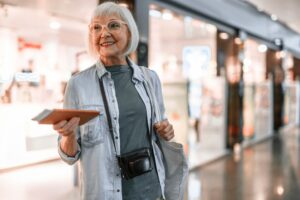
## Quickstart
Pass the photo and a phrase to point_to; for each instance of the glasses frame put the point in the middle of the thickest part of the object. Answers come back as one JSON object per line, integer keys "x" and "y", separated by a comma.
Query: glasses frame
{"x": 105, "y": 26}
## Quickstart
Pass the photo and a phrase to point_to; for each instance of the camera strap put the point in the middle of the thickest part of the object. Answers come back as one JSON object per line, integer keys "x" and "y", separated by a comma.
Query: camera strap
{"x": 109, "y": 117}
{"x": 149, "y": 133}
{"x": 107, "y": 112}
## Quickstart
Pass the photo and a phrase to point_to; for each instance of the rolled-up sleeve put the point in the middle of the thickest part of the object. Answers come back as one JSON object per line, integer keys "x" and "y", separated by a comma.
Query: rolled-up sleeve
{"x": 69, "y": 159}
{"x": 70, "y": 102}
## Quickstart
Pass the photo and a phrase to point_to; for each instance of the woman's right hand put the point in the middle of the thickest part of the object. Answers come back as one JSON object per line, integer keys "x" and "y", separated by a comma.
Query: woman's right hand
{"x": 67, "y": 128}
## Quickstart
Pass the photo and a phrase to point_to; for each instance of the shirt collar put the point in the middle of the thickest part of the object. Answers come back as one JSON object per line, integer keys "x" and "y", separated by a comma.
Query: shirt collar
{"x": 137, "y": 76}
{"x": 100, "y": 69}
{"x": 137, "y": 72}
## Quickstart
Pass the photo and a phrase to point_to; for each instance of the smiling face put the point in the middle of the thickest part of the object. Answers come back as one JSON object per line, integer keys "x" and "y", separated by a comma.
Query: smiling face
{"x": 110, "y": 37}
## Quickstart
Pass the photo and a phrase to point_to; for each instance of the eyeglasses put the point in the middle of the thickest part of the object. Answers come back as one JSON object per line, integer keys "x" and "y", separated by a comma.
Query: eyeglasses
{"x": 111, "y": 26}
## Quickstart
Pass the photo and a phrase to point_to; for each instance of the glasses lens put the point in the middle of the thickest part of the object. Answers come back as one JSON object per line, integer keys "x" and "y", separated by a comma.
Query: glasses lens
{"x": 114, "y": 25}
{"x": 95, "y": 27}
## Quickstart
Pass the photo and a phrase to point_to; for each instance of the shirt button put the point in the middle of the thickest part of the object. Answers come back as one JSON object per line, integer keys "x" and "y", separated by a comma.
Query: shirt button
{"x": 118, "y": 190}
{"x": 117, "y": 137}
{"x": 118, "y": 175}
{"x": 115, "y": 118}
{"x": 113, "y": 100}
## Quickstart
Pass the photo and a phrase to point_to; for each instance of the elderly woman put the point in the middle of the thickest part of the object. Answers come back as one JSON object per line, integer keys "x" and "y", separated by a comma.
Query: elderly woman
{"x": 118, "y": 155}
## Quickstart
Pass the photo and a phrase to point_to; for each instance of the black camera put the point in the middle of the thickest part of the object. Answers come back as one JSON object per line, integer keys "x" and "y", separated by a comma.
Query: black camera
{"x": 135, "y": 163}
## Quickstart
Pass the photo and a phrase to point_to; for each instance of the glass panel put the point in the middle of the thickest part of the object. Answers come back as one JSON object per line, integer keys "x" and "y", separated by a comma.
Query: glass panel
{"x": 36, "y": 60}
{"x": 182, "y": 50}
{"x": 257, "y": 99}
{"x": 290, "y": 97}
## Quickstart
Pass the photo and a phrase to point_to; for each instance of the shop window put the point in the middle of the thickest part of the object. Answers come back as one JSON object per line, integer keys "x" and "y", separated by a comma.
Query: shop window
{"x": 257, "y": 92}
{"x": 182, "y": 50}
{"x": 38, "y": 54}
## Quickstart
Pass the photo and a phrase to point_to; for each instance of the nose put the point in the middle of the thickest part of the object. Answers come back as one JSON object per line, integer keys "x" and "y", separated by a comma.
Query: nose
{"x": 105, "y": 32}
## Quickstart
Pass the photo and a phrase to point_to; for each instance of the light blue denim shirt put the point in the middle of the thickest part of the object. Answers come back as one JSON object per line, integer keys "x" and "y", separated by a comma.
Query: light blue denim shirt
{"x": 100, "y": 174}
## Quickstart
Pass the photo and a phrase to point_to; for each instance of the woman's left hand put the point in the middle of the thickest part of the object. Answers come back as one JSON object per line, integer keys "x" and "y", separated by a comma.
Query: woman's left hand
{"x": 164, "y": 129}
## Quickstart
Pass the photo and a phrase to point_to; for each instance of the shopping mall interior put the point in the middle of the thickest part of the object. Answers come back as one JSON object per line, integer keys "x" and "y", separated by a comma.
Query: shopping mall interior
{"x": 230, "y": 74}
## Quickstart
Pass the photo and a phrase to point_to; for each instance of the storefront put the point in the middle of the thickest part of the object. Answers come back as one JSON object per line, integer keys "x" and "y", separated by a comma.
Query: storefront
{"x": 183, "y": 51}
{"x": 214, "y": 97}
{"x": 38, "y": 54}
{"x": 290, "y": 90}
{"x": 296, "y": 76}
{"x": 274, "y": 67}
{"x": 257, "y": 95}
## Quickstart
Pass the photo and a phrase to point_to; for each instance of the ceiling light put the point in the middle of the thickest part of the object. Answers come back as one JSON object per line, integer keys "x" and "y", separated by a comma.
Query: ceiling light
{"x": 262, "y": 48}
{"x": 167, "y": 15}
{"x": 155, "y": 13}
{"x": 224, "y": 36}
{"x": 260, "y": 9}
{"x": 54, "y": 25}
{"x": 274, "y": 17}
{"x": 278, "y": 42}
{"x": 237, "y": 40}
{"x": 280, "y": 190}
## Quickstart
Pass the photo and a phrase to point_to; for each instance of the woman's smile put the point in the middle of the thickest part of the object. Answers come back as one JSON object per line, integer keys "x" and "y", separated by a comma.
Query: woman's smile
{"x": 107, "y": 43}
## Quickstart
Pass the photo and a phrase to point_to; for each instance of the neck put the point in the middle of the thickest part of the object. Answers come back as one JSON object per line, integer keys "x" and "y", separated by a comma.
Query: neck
{"x": 114, "y": 61}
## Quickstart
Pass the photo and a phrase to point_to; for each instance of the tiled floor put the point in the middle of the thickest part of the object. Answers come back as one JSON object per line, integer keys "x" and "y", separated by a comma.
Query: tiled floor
{"x": 50, "y": 181}
{"x": 266, "y": 171}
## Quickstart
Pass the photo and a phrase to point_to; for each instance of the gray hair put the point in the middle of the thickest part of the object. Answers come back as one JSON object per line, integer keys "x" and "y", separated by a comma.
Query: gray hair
{"x": 110, "y": 8}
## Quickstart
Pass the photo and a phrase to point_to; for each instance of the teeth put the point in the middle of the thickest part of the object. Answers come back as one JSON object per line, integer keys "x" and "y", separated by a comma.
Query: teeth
{"x": 107, "y": 43}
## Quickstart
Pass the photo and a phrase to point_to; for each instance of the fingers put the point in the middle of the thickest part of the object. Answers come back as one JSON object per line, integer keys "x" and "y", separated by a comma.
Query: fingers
{"x": 165, "y": 129}
{"x": 167, "y": 135}
{"x": 72, "y": 123}
{"x": 161, "y": 125}
{"x": 66, "y": 128}
{"x": 59, "y": 125}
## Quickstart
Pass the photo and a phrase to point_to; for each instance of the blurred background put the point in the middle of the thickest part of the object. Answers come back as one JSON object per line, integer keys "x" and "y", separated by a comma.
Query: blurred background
{"x": 230, "y": 75}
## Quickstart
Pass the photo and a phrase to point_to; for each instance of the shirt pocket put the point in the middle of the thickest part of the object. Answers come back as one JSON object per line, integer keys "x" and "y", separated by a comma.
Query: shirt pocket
{"x": 92, "y": 132}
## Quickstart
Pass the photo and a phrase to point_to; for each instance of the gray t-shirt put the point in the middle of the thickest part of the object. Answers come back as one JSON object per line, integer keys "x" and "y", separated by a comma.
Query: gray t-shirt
{"x": 133, "y": 134}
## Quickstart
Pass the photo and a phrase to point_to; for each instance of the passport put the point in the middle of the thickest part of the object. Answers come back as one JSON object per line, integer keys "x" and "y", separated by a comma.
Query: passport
{"x": 53, "y": 116}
